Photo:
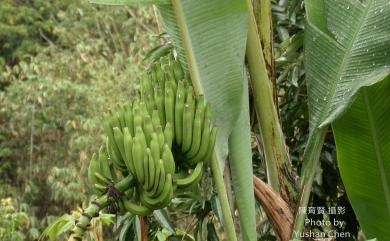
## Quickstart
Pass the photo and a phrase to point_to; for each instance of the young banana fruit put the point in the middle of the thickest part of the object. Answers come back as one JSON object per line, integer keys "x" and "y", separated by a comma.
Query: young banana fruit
{"x": 164, "y": 131}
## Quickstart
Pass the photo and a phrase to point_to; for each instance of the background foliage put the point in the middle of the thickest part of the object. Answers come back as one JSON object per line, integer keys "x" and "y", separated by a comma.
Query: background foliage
{"x": 63, "y": 64}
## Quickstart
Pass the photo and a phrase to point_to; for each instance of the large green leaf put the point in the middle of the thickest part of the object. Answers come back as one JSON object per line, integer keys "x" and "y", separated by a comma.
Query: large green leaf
{"x": 355, "y": 54}
{"x": 362, "y": 137}
{"x": 347, "y": 46}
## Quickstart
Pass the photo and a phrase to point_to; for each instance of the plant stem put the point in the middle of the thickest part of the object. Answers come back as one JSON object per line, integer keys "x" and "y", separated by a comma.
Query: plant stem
{"x": 311, "y": 159}
{"x": 94, "y": 208}
{"x": 223, "y": 199}
{"x": 144, "y": 228}
{"x": 263, "y": 16}
{"x": 84, "y": 221}
{"x": 275, "y": 151}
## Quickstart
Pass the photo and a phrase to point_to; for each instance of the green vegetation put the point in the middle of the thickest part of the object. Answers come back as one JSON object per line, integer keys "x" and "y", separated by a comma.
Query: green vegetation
{"x": 53, "y": 98}
{"x": 295, "y": 92}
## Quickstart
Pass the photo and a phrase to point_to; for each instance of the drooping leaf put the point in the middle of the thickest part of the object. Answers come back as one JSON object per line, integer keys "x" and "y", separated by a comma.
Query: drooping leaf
{"x": 58, "y": 227}
{"x": 240, "y": 159}
{"x": 362, "y": 137}
{"x": 162, "y": 217}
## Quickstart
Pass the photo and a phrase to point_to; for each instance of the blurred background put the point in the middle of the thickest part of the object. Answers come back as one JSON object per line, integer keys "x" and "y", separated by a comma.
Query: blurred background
{"x": 64, "y": 63}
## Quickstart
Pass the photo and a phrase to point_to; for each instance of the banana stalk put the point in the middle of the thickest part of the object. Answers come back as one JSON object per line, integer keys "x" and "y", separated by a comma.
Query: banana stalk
{"x": 94, "y": 208}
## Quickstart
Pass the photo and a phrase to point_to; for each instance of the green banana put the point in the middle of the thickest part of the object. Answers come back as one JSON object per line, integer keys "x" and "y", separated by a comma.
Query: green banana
{"x": 101, "y": 180}
{"x": 155, "y": 119}
{"x": 169, "y": 101}
{"x": 159, "y": 99}
{"x": 146, "y": 86}
{"x": 160, "y": 136}
{"x": 104, "y": 165}
{"x": 204, "y": 145}
{"x": 169, "y": 161}
{"x": 189, "y": 94}
{"x": 158, "y": 180}
{"x": 164, "y": 197}
{"x": 157, "y": 176}
{"x": 188, "y": 117}
{"x": 192, "y": 178}
{"x": 213, "y": 137}
{"x": 129, "y": 119}
{"x": 179, "y": 106}
{"x": 92, "y": 168}
{"x": 148, "y": 128}
{"x": 100, "y": 188}
{"x": 135, "y": 209}
{"x": 128, "y": 193}
{"x": 113, "y": 149}
{"x": 160, "y": 74}
{"x": 118, "y": 135}
{"x": 145, "y": 164}
{"x": 162, "y": 180}
{"x": 168, "y": 134}
{"x": 140, "y": 135}
{"x": 138, "y": 156}
{"x": 150, "y": 104}
{"x": 128, "y": 146}
{"x": 125, "y": 183}
{"x": 116, "y": 160}
{"x": 137, "y": 119}
{"x": 143, "y": 108}
{"x": 151, "y": 169}
{"x": 155, "y": 147}
{"x": 197, "y": 127}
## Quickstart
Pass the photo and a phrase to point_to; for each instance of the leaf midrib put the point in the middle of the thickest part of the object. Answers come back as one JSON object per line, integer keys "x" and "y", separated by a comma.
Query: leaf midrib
{"x": 188, "y": 46}
{"x": 378, "y": 152}
{"x": 342, "y": 66}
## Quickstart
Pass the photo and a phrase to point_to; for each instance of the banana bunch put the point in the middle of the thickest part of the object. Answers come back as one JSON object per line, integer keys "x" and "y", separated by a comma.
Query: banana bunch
{"x": 166, "y": 89}
{"x": 139, "y": 145}
{"x": 162, "y": 139}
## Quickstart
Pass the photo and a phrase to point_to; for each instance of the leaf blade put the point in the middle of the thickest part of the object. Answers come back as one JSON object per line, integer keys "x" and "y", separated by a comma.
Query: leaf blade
{"x": 362, "y": 138}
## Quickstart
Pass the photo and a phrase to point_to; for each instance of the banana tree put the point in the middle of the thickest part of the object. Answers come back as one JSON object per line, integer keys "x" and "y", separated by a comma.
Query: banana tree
{"x": 347, "y": 60}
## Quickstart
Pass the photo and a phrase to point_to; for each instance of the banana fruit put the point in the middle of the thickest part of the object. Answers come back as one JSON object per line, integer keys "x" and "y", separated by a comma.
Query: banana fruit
{"x": 100, "y": 175}
{"x": 164, "y": 131}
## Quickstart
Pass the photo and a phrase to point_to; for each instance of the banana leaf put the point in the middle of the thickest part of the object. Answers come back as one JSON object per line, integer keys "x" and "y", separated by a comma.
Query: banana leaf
{"x": 347, "y": 47}
{"x": 362, "y": 137}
